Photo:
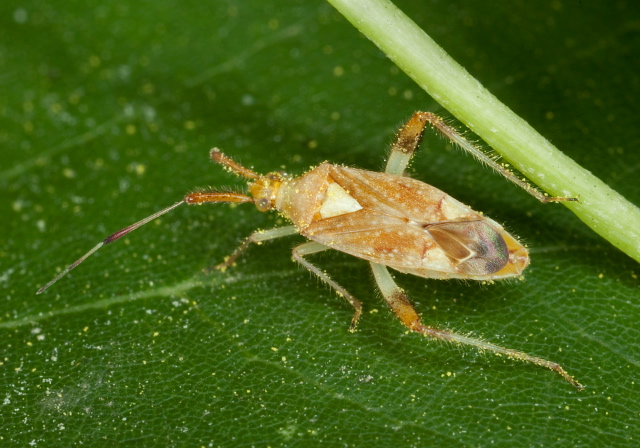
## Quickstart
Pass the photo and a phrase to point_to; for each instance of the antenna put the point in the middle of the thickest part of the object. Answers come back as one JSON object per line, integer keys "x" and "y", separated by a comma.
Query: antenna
{"x": 110, "y": 239}
{"x": 196, "y": 198}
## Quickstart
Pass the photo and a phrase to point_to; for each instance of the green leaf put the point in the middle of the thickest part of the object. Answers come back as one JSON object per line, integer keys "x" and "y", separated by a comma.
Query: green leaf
{"x": 108, "y": 113}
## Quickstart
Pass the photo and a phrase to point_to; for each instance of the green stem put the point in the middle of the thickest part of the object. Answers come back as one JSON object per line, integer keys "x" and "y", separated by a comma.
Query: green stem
{"x": 411, "y": 49}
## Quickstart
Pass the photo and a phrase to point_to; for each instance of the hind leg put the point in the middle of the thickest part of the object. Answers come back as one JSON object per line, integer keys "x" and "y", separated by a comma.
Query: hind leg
{"x": 399, "y": 303}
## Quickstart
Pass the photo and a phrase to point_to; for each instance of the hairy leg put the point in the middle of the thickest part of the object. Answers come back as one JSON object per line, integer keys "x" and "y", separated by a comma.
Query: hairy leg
{"x": 409, "y": 137}
{"x": 311, "y": 247}
{"x": 399, "y": 303}
{"x": 256, "y": 237}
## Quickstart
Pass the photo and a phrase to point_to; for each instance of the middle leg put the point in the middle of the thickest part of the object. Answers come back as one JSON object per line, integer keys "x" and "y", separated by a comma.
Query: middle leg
{"x": 311, "y": 247}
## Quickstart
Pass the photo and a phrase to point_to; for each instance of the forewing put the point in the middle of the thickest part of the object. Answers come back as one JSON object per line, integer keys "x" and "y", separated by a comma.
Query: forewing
{"x": 408, "y": 225}
{"x": 475, "y": 246}
{"x": 400, "y": 196}
{"x": 380, "y": 238}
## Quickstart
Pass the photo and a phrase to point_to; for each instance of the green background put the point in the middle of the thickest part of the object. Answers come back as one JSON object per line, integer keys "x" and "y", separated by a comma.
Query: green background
{"x": 107, "y": 115}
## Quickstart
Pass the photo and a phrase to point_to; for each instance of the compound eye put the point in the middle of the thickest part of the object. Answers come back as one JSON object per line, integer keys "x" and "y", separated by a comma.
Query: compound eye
{"x": 263, "y": 204}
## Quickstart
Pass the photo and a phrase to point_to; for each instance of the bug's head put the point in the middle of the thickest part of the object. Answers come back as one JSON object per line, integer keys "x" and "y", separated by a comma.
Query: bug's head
{"x": 264, "y": 190}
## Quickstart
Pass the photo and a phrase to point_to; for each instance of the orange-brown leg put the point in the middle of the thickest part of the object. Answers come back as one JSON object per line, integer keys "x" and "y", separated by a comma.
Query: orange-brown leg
{"x": 406, "y": 143}
{"x": 399, "y": 303}
{"x": 409, "y": 138}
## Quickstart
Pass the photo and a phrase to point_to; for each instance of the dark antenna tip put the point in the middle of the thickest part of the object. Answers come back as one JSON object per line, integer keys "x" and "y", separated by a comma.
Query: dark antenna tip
{"x": 109, "y": 239}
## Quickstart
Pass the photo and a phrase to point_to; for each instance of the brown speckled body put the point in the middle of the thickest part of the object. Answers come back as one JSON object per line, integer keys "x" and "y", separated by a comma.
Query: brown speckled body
{"x": 402, "y": 223}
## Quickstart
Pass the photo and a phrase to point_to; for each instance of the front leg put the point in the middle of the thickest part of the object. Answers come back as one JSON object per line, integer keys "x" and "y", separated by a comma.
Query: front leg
{"x": 399, "y": 303}
{"x": 256, "y": 237}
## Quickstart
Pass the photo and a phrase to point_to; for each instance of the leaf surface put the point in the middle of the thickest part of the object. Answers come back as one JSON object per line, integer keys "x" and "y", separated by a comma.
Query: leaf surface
{"x": 108, "y": 113}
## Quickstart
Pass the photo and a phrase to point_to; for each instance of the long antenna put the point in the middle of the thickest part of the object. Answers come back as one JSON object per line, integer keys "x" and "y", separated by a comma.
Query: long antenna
{"x": 111, "y": 238}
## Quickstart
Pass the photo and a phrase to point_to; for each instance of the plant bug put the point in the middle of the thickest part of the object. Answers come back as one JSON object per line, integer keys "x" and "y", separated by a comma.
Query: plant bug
{"x": 388, "y": 219}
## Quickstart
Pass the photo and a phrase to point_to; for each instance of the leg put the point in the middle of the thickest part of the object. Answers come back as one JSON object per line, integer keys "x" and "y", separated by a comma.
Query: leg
{"x": 399, "y": 303}
{"x": 406, "y": 144}
{"x": 311, "y": 247}
{"x": 256, "y": 237}
{"x": 409, "y": 137}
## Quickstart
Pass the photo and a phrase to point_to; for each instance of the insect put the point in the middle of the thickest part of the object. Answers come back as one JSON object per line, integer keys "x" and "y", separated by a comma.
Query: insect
{"x": 388, "y": 219}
